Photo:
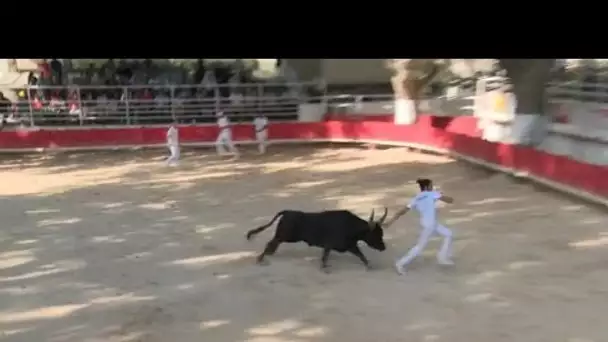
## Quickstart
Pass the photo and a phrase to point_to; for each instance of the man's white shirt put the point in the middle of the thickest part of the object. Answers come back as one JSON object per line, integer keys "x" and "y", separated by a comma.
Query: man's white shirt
{"x": 172, "y": 136}
{"x": 424, "y": 204}
{"x": 161, "y": 100}
{"x": 223, "y": 122}
{"x": 260, "y": 123}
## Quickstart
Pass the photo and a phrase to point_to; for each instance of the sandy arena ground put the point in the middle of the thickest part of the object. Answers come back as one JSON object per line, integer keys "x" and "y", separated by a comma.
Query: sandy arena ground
{"x": 116, "y": 246}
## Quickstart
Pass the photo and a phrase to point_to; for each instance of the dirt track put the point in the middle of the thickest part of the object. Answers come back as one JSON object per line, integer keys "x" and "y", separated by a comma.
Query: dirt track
{"x": 118, "y": 247}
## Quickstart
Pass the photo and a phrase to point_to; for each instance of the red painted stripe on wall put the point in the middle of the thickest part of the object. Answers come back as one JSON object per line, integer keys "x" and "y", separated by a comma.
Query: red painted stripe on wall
{"x": 458, "y": 134}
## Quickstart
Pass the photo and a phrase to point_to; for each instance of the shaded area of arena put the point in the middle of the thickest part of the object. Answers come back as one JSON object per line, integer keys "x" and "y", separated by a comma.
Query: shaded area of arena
{"x": 115, "y": 246}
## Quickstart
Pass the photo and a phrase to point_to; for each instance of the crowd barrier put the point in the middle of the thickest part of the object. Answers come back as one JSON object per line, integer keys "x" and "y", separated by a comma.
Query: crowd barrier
{"x": 457, "y": 136}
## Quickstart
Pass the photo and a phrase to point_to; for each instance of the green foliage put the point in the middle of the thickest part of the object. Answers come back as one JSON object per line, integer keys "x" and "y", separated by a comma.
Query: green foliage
{"x": 187, "y": 64}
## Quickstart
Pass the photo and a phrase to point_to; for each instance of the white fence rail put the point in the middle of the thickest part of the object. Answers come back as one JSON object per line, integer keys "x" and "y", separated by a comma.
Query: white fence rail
{"x": 160, "y": 104}
{"x": 163, "y": 104}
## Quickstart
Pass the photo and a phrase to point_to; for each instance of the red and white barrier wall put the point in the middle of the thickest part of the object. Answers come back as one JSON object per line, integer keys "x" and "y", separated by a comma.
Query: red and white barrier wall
{"x": 455, "y": 135}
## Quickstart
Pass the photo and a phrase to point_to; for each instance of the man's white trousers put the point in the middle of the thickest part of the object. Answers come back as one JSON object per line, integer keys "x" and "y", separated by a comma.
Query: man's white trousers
{"x": 224, "y": 139}
{"x": 262, "y": 140}
{"x": 429, "y": 229}
{"x": 174, "y": 153}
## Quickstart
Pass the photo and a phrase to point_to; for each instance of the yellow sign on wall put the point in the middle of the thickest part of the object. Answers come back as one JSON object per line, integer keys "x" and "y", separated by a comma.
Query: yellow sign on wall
{"x": 499, "y": 102}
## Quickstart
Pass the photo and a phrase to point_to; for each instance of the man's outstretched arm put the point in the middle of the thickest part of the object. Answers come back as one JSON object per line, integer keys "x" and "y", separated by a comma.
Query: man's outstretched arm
{"x": 397, "y": 216}
{"x": 446, "y": 199}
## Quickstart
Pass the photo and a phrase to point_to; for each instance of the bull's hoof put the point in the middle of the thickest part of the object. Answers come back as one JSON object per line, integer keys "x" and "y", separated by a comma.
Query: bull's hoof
{"x": 262, "y": 262}
{"x": 326, "y": 270}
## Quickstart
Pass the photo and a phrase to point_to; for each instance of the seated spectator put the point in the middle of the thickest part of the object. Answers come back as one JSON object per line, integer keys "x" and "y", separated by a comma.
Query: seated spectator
{"x": 44, "y": 70}
{"x": 87, "y": 101}
{"x": 162, "y": 100}
{"x": 56, "y": 103}
{"x": 5, "y": 109}
{"x": 101, "y": 100}
{"x": 32, "y": 79}
{"x": 73, "y": 104}
{"x": 37, "y": 103}
{"x": 124, "y": 95}
{"x": 112, "y": 103}
{"x": 75, "y": 109}
{"x": 146, "y": 95}
{"x": 236, "y": 98}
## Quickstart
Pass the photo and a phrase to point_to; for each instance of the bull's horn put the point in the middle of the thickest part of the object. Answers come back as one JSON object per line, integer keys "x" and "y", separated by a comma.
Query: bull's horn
{"x": 383, "y": 216}
{"x": 371, "y": 217}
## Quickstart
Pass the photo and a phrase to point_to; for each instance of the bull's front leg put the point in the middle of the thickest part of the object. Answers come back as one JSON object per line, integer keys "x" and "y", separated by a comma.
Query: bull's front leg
{"x": 357, "y": 252}
{"x": 324, "y": 258}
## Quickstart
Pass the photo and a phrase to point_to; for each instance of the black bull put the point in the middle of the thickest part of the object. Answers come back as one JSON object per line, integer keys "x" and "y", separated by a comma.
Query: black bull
{"x": 337, "y": 230}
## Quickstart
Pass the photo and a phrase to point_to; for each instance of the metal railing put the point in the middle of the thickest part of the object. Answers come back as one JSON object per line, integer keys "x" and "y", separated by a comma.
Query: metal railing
{"x": 354, "y": 102}
{"x": 578, "y": 92}
{"x": 158, "y": 104}
{"x": 186, "y": 104}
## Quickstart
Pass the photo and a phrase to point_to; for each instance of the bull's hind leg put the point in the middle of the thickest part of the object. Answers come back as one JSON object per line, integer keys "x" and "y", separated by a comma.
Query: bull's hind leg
{"x": 324, "y": 258}
{"x": 271, "y": 248}
{"x": 357, "y": 252}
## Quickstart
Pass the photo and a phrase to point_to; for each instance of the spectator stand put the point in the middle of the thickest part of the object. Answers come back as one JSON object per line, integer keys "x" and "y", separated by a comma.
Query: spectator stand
{"x": 91, "y": 105}
{"x": 145, "y": 91}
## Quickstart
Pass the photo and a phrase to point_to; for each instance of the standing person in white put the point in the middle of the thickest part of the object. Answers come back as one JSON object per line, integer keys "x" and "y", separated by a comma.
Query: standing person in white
{"x": 260, "y": 124}
{"x": 424, "y": 204}
{"x": 224, "y": 137}
{"x": 173, "y": 144}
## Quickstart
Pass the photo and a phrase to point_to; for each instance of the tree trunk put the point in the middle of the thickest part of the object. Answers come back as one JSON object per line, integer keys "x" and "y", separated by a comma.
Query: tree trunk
{"x": 411, "y": 77}
{"x": 399, "y": 80}
{"x": 529, "y": 78}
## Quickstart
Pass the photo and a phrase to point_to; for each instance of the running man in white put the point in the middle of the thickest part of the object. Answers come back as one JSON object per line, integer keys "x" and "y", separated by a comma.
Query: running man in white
{"x": 424, "y": 204}
{"x": 260, "y": 124}
{"x": 224, "y": 137}
{"x": 173, "y": 145}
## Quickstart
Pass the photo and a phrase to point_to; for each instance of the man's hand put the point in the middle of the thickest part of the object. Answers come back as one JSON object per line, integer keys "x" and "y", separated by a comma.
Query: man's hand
{"x": 396, "y": 217}
{"x": 446, "y": 199}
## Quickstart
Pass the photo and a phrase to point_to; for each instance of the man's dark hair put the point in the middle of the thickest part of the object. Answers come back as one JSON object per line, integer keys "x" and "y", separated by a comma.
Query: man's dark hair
{"x": 424, "y": 183}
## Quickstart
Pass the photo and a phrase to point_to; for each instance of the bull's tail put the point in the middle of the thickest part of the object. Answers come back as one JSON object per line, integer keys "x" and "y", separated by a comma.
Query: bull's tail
{"x": 253, "y": 232}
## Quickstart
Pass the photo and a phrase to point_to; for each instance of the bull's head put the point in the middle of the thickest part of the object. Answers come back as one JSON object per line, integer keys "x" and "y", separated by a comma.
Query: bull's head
{"x": 375, "y": 236}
